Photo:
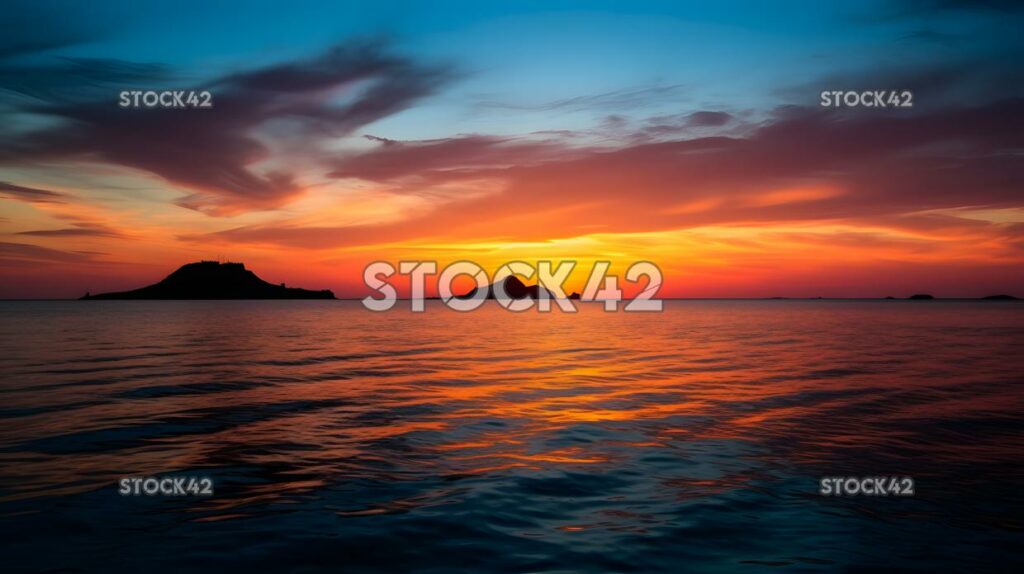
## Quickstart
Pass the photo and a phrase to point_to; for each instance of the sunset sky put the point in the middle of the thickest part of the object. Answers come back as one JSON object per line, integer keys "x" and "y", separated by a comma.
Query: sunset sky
{"x": 690, "y": 136}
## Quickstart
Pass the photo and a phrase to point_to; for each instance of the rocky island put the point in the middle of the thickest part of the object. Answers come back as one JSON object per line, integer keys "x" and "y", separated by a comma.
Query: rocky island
{"x": 214, "y": 280}
{"x": 514, "y": 289}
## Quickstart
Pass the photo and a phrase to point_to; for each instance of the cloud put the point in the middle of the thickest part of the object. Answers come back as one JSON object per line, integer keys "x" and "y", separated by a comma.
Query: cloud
{"x": 214, "y": 153}
{"x": 69, "y": 81}
{"x": 936, "y": 10}
{"x": 33, "y": 194}
{"x": 443, "y": 158}
{"x": 27, "y": 253}
{"x": 660, "y": 128}
{"x": 623, "y": 99}
{"x": 953, "y": 83}
{"x": 708, "y": 119}
{"x": 30, "y": 28}
{"x": 73, "y": 232}
{"x": 807, "y": 164}
{"x": 923, "y": 7}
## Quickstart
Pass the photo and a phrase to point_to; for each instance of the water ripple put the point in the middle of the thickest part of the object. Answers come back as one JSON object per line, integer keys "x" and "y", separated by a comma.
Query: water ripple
{"x": 339, "y": 439}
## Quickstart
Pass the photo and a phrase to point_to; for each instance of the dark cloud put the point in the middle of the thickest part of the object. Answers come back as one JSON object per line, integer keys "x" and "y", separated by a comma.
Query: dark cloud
{"x": 918, "y": 7}
{"x": 443, "y": 158}
{"x": 624, "y": 99}
{"x": 706, "y": 119}
{"x": 380, "y": 140}
{"x": 808, "y": 164}
{"x": 73, "y": 232}
{"x": 303, "y": 89}
{"x": 674, "y": 126}
{"x": 69, "y": 81}
{"x": 910, "y": 10}
{"x": 27, "y": 253}
{"x": 211, "y": 151}
{"x": 32, "y": 27}
{"x": 952, "y": 83}
{"x": 11, "y": 190}
{"x": 480, "y": 155}
{"x": 614, "y": 123}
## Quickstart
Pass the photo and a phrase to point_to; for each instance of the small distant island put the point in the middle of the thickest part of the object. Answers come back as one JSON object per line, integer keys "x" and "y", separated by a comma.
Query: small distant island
{"x": 515, "y": 289}
{"x": 927, "y": 297}
{"x": 214, "y": 280}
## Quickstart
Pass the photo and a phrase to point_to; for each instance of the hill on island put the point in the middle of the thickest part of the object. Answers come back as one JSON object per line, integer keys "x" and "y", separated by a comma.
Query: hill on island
{"x": 515, "y": 289}
{"x": 214, "y": 280}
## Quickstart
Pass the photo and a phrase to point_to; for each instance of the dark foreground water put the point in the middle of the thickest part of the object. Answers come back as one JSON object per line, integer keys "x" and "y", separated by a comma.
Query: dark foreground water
{"x": 338, "y": 439}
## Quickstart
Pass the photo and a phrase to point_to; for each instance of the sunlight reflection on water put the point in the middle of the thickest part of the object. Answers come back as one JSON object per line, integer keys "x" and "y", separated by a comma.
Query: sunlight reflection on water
{"x": 344, "y": 439}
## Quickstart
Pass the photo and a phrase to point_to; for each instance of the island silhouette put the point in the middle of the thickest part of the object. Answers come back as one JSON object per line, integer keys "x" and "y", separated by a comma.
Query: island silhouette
{"x": 214, "y": 280}
{"x": 515, "y": 289}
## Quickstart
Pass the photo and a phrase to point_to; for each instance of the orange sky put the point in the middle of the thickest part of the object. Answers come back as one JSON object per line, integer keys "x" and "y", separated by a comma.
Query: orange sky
{"x": 751, "y": 215}
{"x": 128, "y": 243}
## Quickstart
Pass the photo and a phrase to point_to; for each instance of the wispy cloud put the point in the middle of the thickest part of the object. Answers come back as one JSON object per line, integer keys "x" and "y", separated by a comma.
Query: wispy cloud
{"x": 22, "y": 192}
{"x": 623, "y": 99}
{"x": 214, "y": 153}
{"x": 73, "y": 232}
{"x": 24, "y": 252}
{"x": 806, "y": 165}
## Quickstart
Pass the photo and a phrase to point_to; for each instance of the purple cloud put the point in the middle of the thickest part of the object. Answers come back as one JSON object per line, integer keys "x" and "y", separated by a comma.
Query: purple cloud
{"x": 213, "y": 152}
{"x": 24, "y": 193}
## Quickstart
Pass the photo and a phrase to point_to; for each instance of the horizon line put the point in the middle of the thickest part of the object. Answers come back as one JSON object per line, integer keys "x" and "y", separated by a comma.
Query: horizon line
{"x": 771, "y": 298}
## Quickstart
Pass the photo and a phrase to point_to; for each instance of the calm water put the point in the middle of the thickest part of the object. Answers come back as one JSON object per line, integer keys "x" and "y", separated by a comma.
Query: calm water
{"x": 338, "y": 439}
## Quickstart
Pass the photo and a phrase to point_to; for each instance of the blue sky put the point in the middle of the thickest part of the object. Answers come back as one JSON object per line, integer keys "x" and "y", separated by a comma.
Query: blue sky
{"x": 731, "y": 55}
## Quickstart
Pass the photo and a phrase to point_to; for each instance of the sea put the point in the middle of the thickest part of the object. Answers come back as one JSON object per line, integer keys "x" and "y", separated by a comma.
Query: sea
{"x": 327, "y": 438}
